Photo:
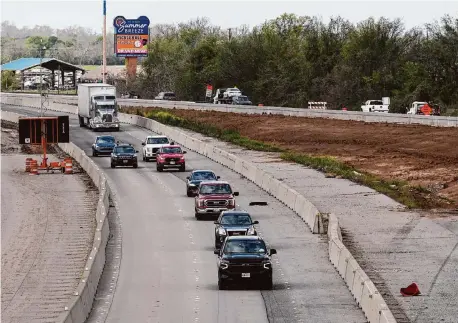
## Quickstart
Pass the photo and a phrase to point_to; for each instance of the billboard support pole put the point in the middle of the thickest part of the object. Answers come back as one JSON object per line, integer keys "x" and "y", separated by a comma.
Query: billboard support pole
{"x": 104, "y": 49}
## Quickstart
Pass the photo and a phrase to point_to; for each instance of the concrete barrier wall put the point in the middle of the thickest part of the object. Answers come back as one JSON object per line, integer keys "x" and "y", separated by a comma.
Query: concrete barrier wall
{"x": 79, "y": 306}
{"x": 437, "y": 121}
{"x": 359, "y": 284}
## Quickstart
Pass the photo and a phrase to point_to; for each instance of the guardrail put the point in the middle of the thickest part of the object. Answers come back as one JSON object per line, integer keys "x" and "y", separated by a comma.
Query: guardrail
{"x": 359, "y": 284}
{"x": 437, "y": 121}
{"x": 80, "y": 304}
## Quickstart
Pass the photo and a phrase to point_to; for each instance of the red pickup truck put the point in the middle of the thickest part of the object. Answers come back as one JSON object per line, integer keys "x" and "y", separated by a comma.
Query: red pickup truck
{"x": 170, "y": 156}
{"x": 213, "y": 197}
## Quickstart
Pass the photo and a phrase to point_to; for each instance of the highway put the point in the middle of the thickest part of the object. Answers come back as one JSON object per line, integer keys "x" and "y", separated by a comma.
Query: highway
{"x": 168, "y": 270}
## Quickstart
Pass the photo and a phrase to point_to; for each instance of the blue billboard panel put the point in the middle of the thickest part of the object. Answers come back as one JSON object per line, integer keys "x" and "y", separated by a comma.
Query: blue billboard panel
{"x": 131, "y": 36}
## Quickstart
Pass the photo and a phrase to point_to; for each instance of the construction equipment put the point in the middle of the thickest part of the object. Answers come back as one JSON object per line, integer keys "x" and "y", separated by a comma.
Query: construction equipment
{"x": 39, "y": 131}
{"x": 424, "y": 108}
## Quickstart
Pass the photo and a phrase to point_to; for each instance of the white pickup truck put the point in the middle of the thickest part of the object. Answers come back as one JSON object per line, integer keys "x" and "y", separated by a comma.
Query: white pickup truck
{"x": 151, "y": 145}
{"x": 375, "y": 106}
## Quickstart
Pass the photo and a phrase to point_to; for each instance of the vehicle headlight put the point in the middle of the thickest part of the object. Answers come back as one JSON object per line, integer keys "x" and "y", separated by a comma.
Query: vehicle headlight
{"x": 97, "y": 119}
{"x": 115, "y": 119}
{"x": 222, "y": 231}
{"x": 251, "y": 231}
{"x": 231, "y": 202}
{"x": 267, "y": 265}
{"x": 134, "y": 156}
{"x": 223, "y": 264}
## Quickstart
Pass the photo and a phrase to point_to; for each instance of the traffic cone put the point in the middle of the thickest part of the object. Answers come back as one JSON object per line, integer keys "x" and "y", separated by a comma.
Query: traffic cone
{"x": 411, "y": 290}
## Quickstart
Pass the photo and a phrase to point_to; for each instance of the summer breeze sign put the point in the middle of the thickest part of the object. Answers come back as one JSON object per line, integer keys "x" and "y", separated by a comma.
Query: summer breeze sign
{"x": 131, "y": 36}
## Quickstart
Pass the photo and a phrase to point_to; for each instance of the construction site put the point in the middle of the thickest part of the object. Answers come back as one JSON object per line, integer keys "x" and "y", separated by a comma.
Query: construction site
{"x": 419, "y": 155}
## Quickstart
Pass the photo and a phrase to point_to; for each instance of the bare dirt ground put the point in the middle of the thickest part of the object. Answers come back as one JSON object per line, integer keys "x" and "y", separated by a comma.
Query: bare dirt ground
{"x": 47, "y": 229}
{"x": 420, "y": 155}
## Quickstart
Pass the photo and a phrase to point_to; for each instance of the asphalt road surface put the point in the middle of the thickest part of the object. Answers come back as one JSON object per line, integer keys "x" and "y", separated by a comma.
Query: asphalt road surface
{"x": 168, "y": 270}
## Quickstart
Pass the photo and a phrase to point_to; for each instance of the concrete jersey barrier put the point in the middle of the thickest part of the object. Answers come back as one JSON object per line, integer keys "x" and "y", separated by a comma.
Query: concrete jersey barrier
{"x": 437, "y": 121}
{"x": 79, "y": 306}
{"x": 359, "y": 284}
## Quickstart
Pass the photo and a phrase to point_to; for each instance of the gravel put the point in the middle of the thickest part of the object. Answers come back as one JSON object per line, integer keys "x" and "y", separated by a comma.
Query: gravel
{"x": 47, "y": 230}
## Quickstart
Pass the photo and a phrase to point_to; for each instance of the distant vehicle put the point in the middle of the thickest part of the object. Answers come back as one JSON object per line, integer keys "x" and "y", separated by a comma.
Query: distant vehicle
{"x": 424, "y": 108}
{"x": 170, "y": 156}
{"x": 97, "y": 105}
{"x": 241, "y": 100}
{"x": 244, "y": 258}
{"x": 233, "y": 223}
{"x": 170, "y": 96}
{"x": 124, "y": 155}
{"x": 196, "y": 177}
{"x": 375, "y": 106}
{"x": 151, "y": 145}
{"x": 226, "y": 95}
{"x": 213, "y": 198}
{"x": 103, "y": 145}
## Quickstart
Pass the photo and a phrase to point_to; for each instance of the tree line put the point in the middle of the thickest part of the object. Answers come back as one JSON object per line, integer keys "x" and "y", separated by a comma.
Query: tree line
{"x": 286, "y": 61}
{"x": 292, "y": 59}
{"x": 75, "y": 45}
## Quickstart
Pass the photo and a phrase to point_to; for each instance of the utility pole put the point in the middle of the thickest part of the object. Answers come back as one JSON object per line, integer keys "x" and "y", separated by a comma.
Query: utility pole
{"x": 230, "y": 34}
{"x": 42, "y": 95}
{"x": 104, "y": 64}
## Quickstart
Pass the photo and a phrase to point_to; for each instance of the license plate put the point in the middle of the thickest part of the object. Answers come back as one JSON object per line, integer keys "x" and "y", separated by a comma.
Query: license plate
{"x": 245, "y": 275}
{"x": 236, "y": 234}
{"x": 172, "y": 163}
{"x": 125, "y": 161}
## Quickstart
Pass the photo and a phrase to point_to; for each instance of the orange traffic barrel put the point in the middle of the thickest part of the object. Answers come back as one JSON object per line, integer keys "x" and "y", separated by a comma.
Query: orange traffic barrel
{"x": 68, "y": 166}
{"x": 260, "y": 105}
{"x": 28, "y": 162}
{"x": 33, "y": 167}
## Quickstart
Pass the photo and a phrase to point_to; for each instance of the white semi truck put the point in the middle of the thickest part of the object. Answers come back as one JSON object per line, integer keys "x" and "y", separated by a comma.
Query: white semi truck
{"x": 97, "y": 106}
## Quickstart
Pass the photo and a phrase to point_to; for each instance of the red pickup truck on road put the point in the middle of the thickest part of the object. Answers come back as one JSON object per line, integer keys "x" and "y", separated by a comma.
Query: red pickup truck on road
{"x": 170, "y": 156}
{"x": 213, "y": 197}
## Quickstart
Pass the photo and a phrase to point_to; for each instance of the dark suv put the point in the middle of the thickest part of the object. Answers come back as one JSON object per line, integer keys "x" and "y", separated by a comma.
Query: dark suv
{"x": 124, "y": 155}
{"x": 244, "y": 258}
{"x": 196, "y": 177}
{"x": 233, "y": 223}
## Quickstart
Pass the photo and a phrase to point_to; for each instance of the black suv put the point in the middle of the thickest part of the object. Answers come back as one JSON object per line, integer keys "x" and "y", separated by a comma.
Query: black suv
{"x": 244, "y": 258}
{"x": 233, "y": 223}
{"x": 124, "y": 155}
{"x": 196, "y": 177}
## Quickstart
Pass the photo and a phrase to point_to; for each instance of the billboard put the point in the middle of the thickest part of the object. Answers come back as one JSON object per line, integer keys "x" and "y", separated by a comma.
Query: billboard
{"x": 131, "y": 36}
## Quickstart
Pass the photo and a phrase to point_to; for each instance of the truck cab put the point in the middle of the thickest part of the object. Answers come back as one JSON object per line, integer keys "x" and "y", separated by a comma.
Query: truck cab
{"x": 214, "y": 197}
{"x": 419, "y": 107}
{"x": 97, "y": 105}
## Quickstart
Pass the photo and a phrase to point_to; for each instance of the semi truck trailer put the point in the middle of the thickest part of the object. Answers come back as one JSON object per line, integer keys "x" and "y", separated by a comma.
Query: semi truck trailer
{"x": 97, "y": 106}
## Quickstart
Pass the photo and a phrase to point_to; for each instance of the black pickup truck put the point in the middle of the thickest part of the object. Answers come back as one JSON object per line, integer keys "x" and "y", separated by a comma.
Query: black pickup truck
{"x": 244, "y": 258}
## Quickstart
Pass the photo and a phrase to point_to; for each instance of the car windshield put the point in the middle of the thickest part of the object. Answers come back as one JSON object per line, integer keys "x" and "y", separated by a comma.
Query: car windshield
{"x": 236, "y": 219}
{"x": 155, "y": 141}
{"x": 215, "y": 189}
{"x": 105, "y": 140}
{"x": 245, "y": 246}
{"x": 171, "y": 150}
{"x": 124, "y": 150}
{"x": 202, "y": 176}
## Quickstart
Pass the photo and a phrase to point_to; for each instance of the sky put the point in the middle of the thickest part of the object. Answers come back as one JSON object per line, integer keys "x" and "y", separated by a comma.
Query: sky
{"x": 227, "y": 14}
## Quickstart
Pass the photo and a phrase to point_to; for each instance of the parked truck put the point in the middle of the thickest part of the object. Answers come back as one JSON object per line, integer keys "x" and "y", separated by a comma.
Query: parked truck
{"x": 226, "y": 95}
{"x": 424, "y": 108}
{"x": 376, "y": 105}
{"x": 97, "y": 106}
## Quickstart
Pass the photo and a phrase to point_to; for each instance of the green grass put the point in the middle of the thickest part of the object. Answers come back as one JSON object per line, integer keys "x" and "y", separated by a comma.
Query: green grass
{"x": 410, "y": 196}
